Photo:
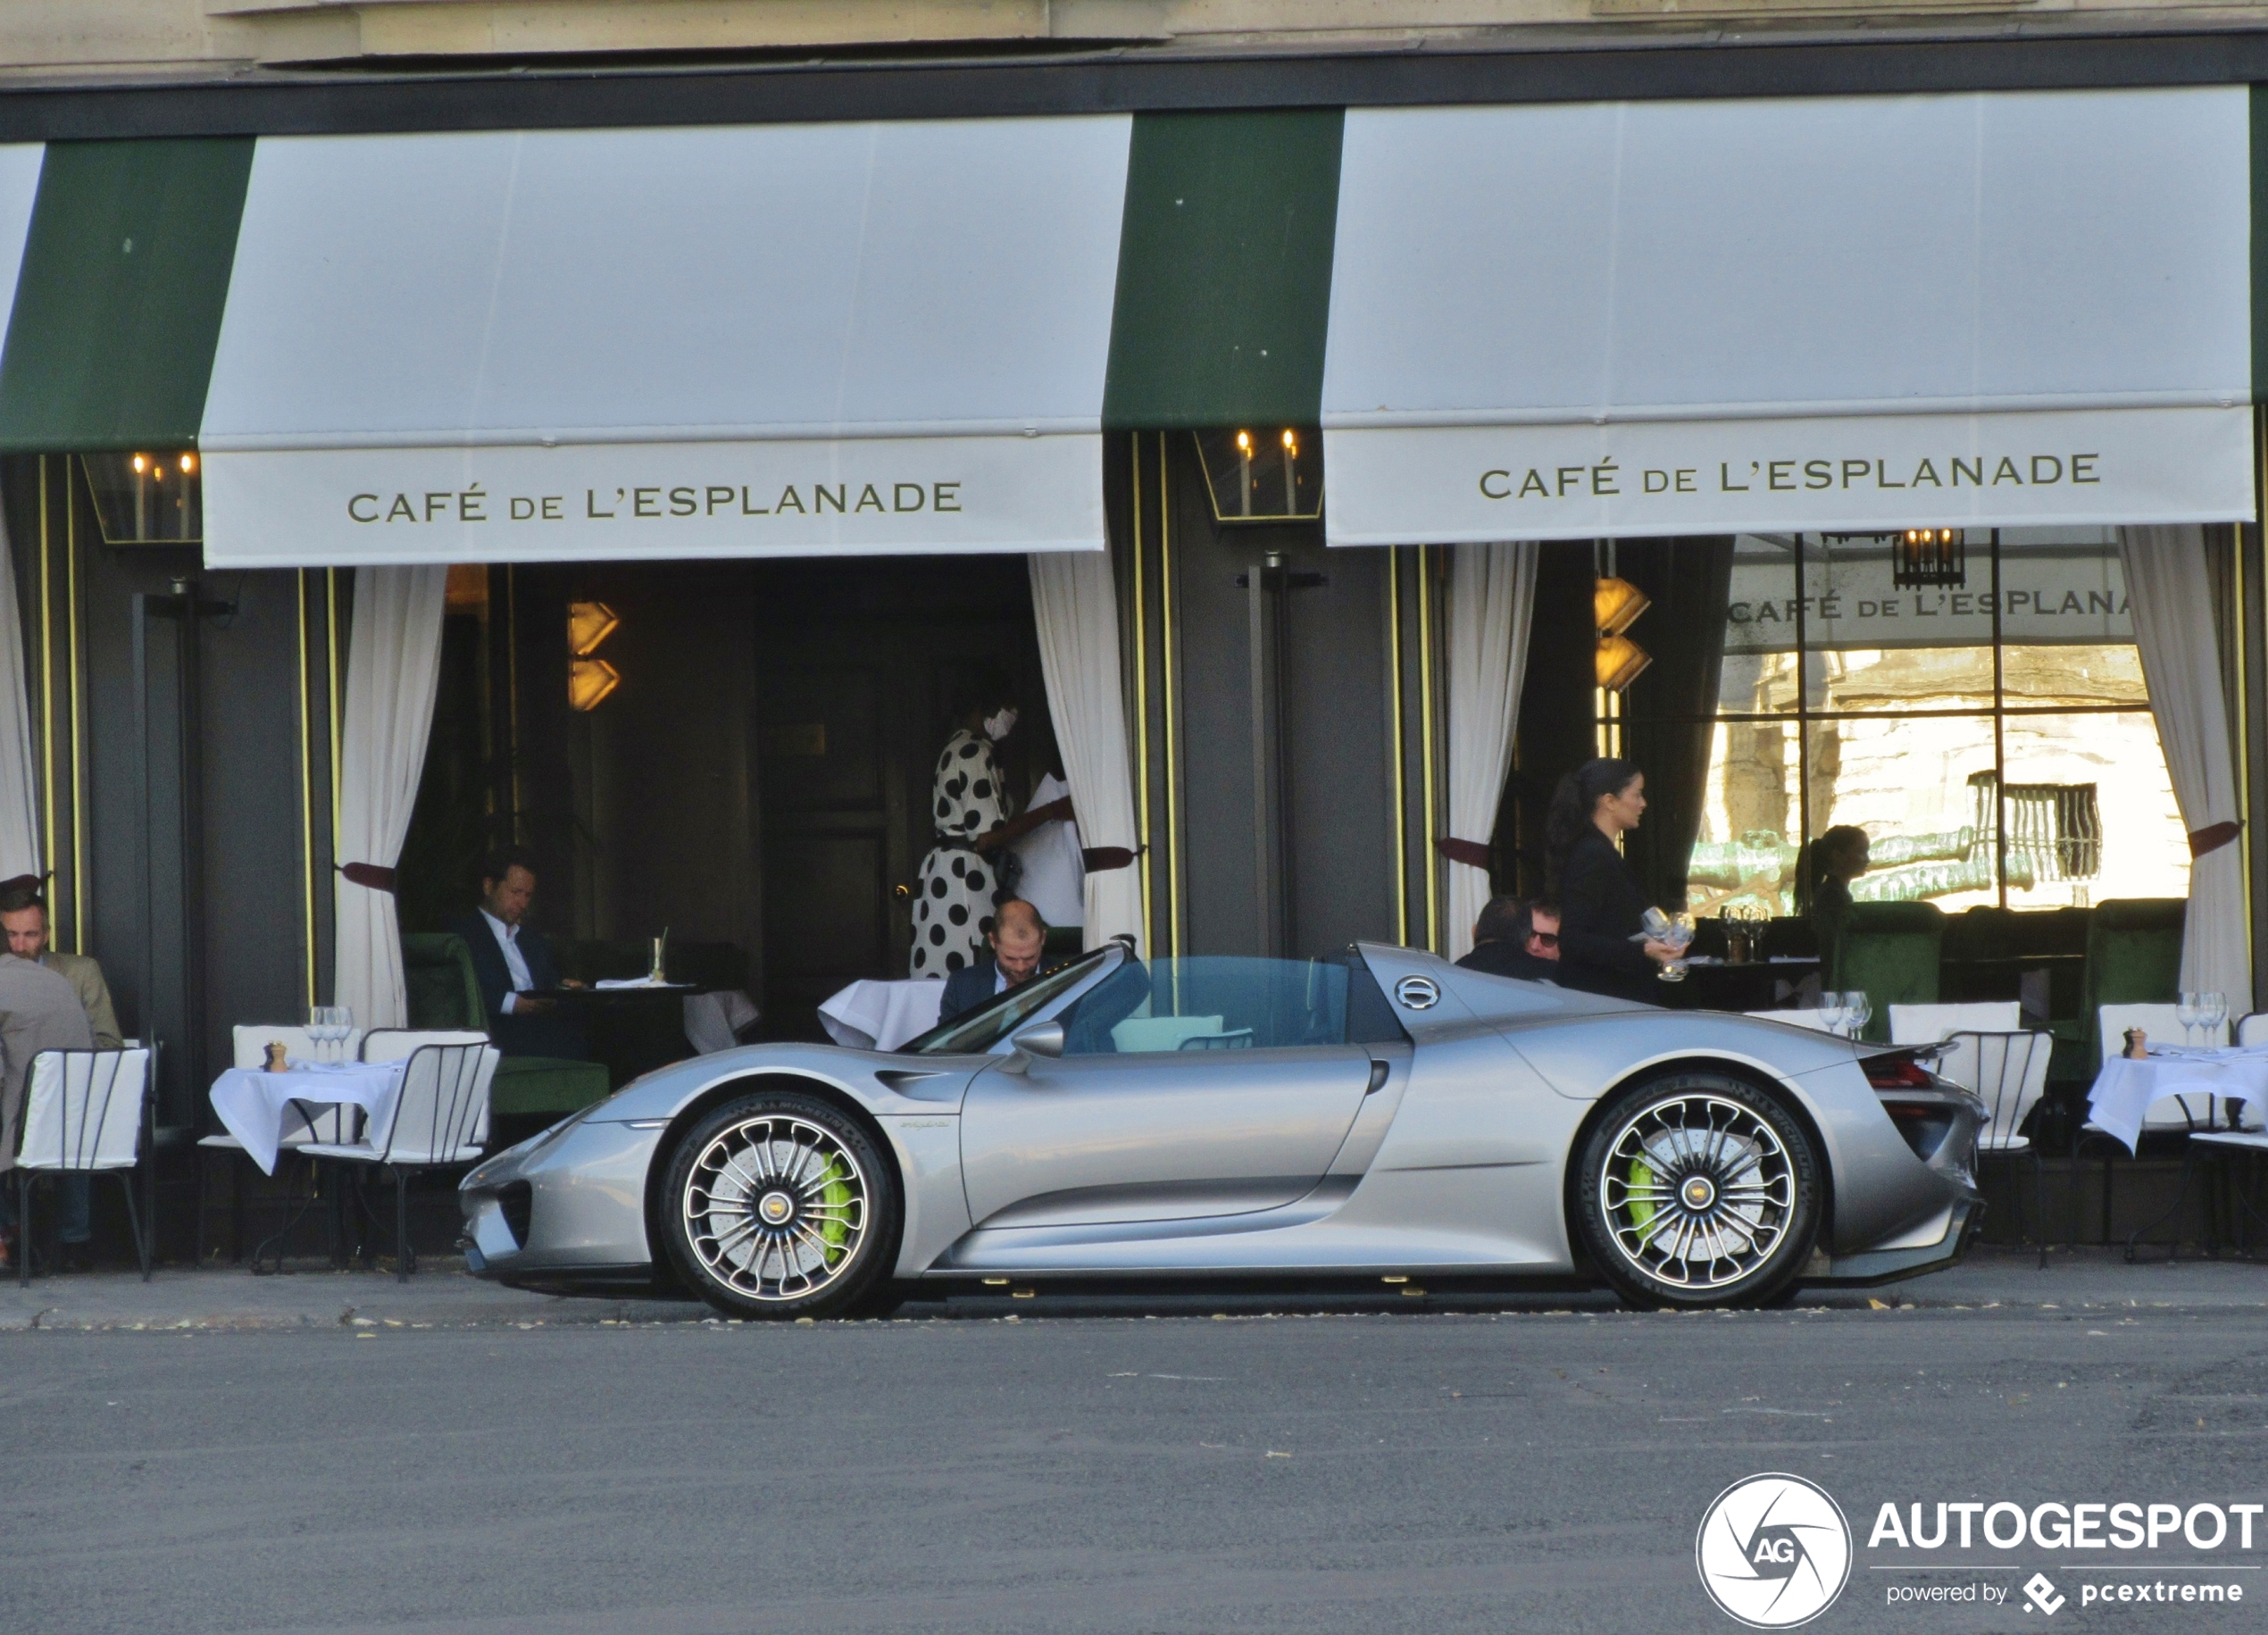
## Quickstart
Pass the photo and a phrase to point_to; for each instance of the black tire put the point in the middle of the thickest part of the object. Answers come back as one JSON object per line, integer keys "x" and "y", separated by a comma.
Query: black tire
{"x": 1696, "y": 1191}
{"x": 777, "y": 1204}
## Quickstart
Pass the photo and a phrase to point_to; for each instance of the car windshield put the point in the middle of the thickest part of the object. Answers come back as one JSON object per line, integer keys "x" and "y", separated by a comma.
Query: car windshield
{"x": 1211, "y": 1003}
{"x": 983, "y": 1028}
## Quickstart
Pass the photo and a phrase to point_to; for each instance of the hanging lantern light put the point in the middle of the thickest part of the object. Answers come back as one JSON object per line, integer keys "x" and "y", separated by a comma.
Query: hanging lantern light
{"x": 1929, "y": 558}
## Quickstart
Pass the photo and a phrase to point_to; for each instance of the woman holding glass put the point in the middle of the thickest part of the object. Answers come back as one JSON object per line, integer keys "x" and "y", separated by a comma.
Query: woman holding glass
{"x": 1602, "y": 907}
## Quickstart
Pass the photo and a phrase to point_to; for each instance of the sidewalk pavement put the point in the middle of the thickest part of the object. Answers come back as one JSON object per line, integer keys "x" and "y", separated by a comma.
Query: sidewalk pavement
{"x": 442, "y": 1296}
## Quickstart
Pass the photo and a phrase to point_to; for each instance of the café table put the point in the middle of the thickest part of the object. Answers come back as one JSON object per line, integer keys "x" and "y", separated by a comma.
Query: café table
{"x": 2126, "y": 1088}
{"x": 1713, "y": 984}
{"x": 633, "y": 1025}
{"x": 874, "y": 1015}
{"x": 254, "y": 1103}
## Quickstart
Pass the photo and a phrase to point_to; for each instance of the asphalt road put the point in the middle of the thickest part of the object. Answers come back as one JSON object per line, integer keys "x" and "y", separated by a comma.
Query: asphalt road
{"x": 1051, "y": 1470}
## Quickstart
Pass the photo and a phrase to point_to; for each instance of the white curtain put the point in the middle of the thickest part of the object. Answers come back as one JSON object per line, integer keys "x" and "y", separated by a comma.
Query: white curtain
{"x": 1492, "y": 594}
{"x": 2171, "y": 592}
{"x": 1075, "y": 600}
{"x": 393, "y": 670}
{"x": 19, "y": 807}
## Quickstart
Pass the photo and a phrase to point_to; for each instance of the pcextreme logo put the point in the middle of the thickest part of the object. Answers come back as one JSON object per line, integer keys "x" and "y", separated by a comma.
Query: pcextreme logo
{"x": 1774, "y": 1551}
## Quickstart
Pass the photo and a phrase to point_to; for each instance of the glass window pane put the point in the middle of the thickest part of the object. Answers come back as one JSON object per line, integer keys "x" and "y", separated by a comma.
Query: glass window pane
{"x": 2090, "y": 812}
{"x": 2075, "y": 672}
{"x": 1745, "y": 855}
{"x": 1921, "y": 789}
{"x": 1759, "y": 671}
{"x": 1902, "y": 679}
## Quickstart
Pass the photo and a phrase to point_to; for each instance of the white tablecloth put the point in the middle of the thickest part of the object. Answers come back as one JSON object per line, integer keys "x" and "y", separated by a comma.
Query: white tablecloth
{"x": 882, "y": 1015}
{"x": 254, "y": 1103}
{"x": 2124, "y": 1090}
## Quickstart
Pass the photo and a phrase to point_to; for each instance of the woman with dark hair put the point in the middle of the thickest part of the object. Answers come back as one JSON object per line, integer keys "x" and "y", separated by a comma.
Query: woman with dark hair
{"x": 971, "y": 812}
{"x": 1601, "y": 906}
{"x": 1828, "y": 865}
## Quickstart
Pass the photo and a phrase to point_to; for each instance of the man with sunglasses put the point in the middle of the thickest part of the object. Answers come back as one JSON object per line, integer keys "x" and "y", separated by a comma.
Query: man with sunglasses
{"x": 1512, "y": 938}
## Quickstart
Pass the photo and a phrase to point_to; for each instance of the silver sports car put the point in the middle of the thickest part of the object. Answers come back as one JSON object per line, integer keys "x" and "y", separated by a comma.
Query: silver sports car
{"x": 1384, "y": 1114}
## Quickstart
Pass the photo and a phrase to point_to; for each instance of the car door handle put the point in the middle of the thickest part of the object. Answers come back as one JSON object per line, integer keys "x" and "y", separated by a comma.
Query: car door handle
{"x": 1378, "y": 1070}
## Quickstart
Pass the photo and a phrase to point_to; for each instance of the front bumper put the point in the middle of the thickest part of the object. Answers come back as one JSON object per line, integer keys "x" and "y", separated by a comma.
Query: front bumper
{"x": 566, "y": 1208}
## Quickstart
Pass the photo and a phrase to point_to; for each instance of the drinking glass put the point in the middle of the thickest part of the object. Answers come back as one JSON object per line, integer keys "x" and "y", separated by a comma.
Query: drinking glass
{"x": 342, "y": 1018}
{"x": 317, "y": 1021}
{"x": 1679, "y": 934}
{"x": 1831, "y": 1013}
{"x": 2188, "y": 1010}
{"x": 2213, "y": 1011}
{"x": 1856, "y": 1008}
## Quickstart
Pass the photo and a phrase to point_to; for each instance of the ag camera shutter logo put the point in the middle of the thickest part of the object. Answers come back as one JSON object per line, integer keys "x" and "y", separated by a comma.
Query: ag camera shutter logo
{"x": 1774, "y": 1551}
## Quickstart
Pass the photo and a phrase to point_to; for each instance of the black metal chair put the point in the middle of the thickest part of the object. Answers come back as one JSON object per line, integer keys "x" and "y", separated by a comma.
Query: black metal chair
{"x": 440, "y": 1121}
{"x": 2009, "y": 1072}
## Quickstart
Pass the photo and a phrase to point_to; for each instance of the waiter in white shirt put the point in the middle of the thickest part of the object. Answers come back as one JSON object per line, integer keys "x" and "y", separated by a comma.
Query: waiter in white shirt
{"x": 1053, "y": 880}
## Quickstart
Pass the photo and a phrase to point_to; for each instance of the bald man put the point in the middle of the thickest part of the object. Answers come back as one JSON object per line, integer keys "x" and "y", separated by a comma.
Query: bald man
{"x": 1018, "y": 934}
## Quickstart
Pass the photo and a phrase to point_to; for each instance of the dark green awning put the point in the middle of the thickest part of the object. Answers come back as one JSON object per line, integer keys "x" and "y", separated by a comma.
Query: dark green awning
{"x": 118, "y": 304}
{"x": 1224, "y": 266}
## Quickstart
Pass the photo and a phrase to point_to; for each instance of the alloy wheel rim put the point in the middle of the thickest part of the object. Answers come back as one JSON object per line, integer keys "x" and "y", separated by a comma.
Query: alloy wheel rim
{"x": 776, "y": 1207}
{"x": 1697, "y": 1191}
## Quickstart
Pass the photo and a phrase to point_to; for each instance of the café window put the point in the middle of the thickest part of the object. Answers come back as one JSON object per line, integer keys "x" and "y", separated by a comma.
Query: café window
{"x": 1980, "y": 712}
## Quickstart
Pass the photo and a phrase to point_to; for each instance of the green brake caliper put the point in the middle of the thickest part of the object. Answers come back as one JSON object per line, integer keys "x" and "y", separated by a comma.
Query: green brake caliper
{"x": 1642, "y": 1177}
{"x": 835, "y": 1192}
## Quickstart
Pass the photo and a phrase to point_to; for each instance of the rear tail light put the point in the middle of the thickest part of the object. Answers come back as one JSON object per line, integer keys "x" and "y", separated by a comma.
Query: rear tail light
{"x": 1897, "y": 1070}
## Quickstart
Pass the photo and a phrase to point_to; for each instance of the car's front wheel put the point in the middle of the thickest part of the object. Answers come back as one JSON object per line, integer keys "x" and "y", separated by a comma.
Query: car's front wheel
{"x": 1698, "y": 1190}
{"x": 777, "y": 1204}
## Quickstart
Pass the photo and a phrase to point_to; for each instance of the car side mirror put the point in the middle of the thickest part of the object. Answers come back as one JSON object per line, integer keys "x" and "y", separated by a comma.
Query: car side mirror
{"x": 1044, "y": 1039}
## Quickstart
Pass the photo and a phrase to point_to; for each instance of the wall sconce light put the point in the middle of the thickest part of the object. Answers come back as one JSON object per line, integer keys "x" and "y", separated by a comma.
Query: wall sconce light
{"x": 1619, "y": 661}
{"x": 1616, "y": 603}
{"x": 1929, "y": 558}
{"x": 589, "y": 623}
{"x": 589, "y": 680}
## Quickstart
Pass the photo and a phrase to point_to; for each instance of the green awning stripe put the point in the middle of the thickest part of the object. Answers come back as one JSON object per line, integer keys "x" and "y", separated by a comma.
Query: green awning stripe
{"x": 1224, "y": 268}
{"x": 118, "y": 304}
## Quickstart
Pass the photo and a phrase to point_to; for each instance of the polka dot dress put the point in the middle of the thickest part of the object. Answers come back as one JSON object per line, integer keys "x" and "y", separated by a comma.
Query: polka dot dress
{"x": 953, "y": 910}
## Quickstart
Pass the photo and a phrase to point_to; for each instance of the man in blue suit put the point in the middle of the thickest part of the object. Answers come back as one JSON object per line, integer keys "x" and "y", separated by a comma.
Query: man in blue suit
{"x": 514, "y": 964}
{"x": 1017, "y": 935}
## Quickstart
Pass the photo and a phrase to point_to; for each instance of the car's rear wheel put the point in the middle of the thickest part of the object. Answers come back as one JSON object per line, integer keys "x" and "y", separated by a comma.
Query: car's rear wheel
{"x": 777, "y": 1204}
{"x": 1698, "y": 1190}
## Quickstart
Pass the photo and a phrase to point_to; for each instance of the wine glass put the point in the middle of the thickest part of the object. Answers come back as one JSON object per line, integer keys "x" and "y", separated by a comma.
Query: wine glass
{"x": 2188, "y": 1010}
{"x": 2213, "y": 1011}
{"x": 343, "y": 1019}
{"x": 1856, "y": 1008}
{"x": 1831, "y": 1012}
{"x": 1678, "y": 932}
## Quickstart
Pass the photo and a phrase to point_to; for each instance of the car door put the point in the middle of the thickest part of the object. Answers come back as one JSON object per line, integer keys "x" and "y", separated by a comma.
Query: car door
{"x": 1229, "y": 1087}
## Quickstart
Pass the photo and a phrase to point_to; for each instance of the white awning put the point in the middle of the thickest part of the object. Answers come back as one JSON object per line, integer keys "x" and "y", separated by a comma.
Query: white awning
{"x": 803, "y": 340}
{"x": 1851, "y": 313}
